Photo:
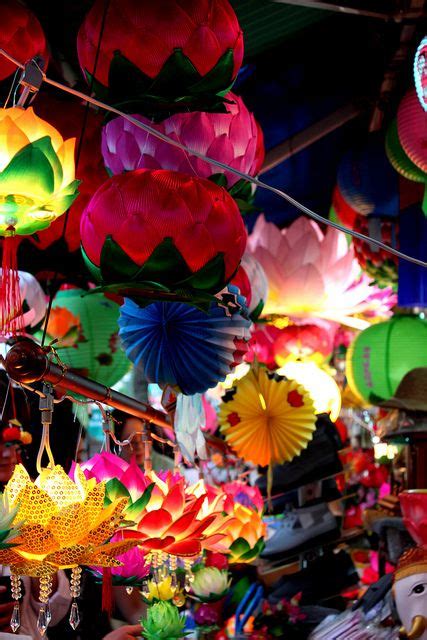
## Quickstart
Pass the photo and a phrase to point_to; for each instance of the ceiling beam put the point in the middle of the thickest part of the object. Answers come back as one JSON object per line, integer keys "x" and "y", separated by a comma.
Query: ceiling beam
{"x": 352, "y": 10}
{"x": 308, "y": 136}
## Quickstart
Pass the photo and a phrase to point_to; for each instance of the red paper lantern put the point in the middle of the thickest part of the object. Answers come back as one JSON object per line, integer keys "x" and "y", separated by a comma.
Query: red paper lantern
{"x": 163, "y": 227}
{"x": 303, "y": 342}
{"x": 164, "y": 49}
{"x": 346, "y": 214}
{"x": 21, "y": 35}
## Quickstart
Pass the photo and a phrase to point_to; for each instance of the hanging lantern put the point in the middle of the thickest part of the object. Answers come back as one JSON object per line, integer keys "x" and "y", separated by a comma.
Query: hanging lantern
{"x": 36, "y": 186}
{"x": 312, "y": 274}
{"x": 303, "y": 342}
{"x": 412, "y": 131}
{"x": 321, "y": 387}
{"x": 87, "y": 333}
{"x": 21, "y": 36}
{"x": 399, "y": 159}
{"x": 33, "y": 300}
{"x": 379, "y": 264}
{"x": 253, "y": 284}
{"x": 165, "y": 55}
{"x": 420, "y": 72}
{"x": 345, "y": 213}
{"x": 381, "y": 355}
{"x": 267, "y": 419}
{"x": 177, "y": 344}
{"x": 234, "y": 138}
{"x": 65, "y": 525}
{"x": 165, "y": 229}
{"x": 369, "y": 184}
{"x": 261, "y": 345}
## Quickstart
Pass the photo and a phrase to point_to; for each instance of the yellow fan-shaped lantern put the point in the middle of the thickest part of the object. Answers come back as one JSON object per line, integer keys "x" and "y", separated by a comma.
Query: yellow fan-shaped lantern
{"x": 320, "y": 385}
{"x": 266, "y": 418}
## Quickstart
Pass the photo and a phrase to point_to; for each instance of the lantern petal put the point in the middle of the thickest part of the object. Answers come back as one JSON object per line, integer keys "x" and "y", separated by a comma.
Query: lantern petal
{"x": 155, "y": 522}
{"x": 29, "y": 173}
{"x": 66, "y": 158}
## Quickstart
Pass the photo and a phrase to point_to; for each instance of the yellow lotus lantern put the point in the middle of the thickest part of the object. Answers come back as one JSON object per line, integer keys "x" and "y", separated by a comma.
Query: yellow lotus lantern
{"x": 320, "y": 385}
{"x": 65, "y": 525}
{"x": 36, "y": 172}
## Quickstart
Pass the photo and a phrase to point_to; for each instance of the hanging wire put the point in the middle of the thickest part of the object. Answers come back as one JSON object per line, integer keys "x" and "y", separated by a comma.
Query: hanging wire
{"x": 259, "y": 183}
{"x": 78, "y": 156}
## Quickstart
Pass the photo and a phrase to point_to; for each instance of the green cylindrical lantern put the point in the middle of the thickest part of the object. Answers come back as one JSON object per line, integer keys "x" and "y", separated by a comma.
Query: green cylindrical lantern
{"x": 382, "y": 354}
{"x": 87, "y": 332}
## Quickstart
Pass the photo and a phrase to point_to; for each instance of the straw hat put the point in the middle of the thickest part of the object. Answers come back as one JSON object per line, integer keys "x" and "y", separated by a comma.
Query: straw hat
{"x": 411, "y": 394}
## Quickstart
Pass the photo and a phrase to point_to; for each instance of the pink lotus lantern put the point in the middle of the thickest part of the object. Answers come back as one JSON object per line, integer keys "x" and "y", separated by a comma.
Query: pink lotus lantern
{"x": 412, "y": 129}
{"x": 414, "y": 509}
{"x": 234, "y": 138}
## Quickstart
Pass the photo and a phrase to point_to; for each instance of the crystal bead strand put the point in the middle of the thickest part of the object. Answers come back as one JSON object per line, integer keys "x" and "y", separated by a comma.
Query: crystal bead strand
{"x": 173, "y": 566}
{"x": 188, "y": 573}
{"x": 44, "y": 616}
{"x": 15, "y": 621}
{"x": 164, "y": 568}
{"x": 76, "y": 574}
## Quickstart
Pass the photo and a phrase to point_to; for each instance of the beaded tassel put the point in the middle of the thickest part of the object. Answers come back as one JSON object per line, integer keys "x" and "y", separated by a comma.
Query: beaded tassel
{"x": 74, "y": 619}
{"x": 189, "y": 577}
{"x": 15, "y": 621}
{"x": 44, "y": 616}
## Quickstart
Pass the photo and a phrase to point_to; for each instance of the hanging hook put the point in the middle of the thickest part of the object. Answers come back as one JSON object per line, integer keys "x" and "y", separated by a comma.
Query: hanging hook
{"x": 46, "y": 404}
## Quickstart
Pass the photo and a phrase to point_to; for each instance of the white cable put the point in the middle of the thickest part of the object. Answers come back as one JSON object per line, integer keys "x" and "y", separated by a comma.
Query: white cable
{"x": 222, "y": 165}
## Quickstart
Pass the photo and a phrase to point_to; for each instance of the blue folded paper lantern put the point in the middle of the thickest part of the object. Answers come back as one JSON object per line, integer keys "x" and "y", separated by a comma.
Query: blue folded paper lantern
{"x": 176, "y": 344}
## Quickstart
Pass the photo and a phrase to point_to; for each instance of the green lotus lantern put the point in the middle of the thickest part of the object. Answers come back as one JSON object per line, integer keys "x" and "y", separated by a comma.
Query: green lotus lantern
{"x": 86, "y": 329}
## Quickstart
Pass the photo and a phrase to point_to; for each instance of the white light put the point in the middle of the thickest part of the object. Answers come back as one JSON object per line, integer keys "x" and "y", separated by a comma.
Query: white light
{"x": 375, "y": 440}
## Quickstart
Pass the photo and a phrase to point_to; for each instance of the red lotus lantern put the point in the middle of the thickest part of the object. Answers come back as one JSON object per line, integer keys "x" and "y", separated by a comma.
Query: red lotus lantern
{"x": 21, "y": 35}
{"x": 305, "y": 342}
{"x": 164, "y": 229}
{"x": 166, "y": 54}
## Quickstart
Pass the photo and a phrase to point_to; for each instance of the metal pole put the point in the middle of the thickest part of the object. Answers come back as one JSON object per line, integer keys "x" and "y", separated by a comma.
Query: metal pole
{"x": 27, "y": 362}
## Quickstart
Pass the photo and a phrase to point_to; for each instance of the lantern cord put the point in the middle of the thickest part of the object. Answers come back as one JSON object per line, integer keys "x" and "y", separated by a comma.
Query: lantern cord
{"x": 217, "y": 163}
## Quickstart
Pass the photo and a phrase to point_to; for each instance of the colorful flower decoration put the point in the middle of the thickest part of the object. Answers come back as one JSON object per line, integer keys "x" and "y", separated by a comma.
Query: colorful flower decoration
{"x": 9, "y": 525}
{"x": 312, "y": 274}
{"x": 133, "y": 566}
{"x": 414, "y": 509}
{"x": 234, "y": 138}
{"x": 171, "y": 56}
{"x": 245, "y": 535}
{"x": 420, "y": 72}
{"x": 36, "y": 172}
{"x": 210, "y": 584}
{"x": 244, "y": 494}
{"x": 379, "y": 264}
{"x": 163, "y": 590}
{"x": 84, "y": 343}
{"x": 307, "y": 342}
{"x": 21, "y": 36}
{"x": 64, "y": 523}
{"x": 267, "y": 419}
{"x": 33, "y": 304}
{"x": 194, "y": 237}
{"x": 163, "y": 622}
{"x": 176, "y": 344}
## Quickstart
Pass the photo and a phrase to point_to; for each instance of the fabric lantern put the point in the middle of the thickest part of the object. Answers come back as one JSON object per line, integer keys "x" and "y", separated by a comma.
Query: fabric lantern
{"x": 165, "y": 229}
{"x": 420, "y": 72}
{"x": 322, "y": 388}
{"x": 234, "y": 138}
{"x": 412, "y": 290}
{"x": 87, "y": 333}
{"x": 177, "y": 344}
{"x": 345, "y": 213}
{"x": 379, "y": 264}
{"x": 33, "y": 301}
{"x": 381, "y": 355}
{"x": 369, "y": 184}
{"x": 21, "y": 36}
{"x": 36, "y": 186}
{"x": 412, "y": 131}
{"x": 303, "y": 342}
{"x": 170, "y": 55}
{"x": 399, "y": 159}
{"x": 312, "y": 274}
{"x": 267, "y": 419}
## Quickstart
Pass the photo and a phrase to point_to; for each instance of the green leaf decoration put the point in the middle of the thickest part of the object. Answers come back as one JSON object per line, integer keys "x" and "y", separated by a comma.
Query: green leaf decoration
{"x": 240, "y": 547}
{"x": 94, "y": 271}
{"x": 135, "y": 509}
{"x": 115, "y": 489}
{"x": 220, "y": 78}
{"x": 30, "y": 166}
{"x": 211, "y": 277}
{"x": 116, "y": 265}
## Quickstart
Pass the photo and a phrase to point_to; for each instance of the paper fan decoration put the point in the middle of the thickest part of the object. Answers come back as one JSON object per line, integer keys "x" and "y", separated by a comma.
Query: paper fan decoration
{"x": 176, "y": 344}
{"x": 267, "y": 419}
